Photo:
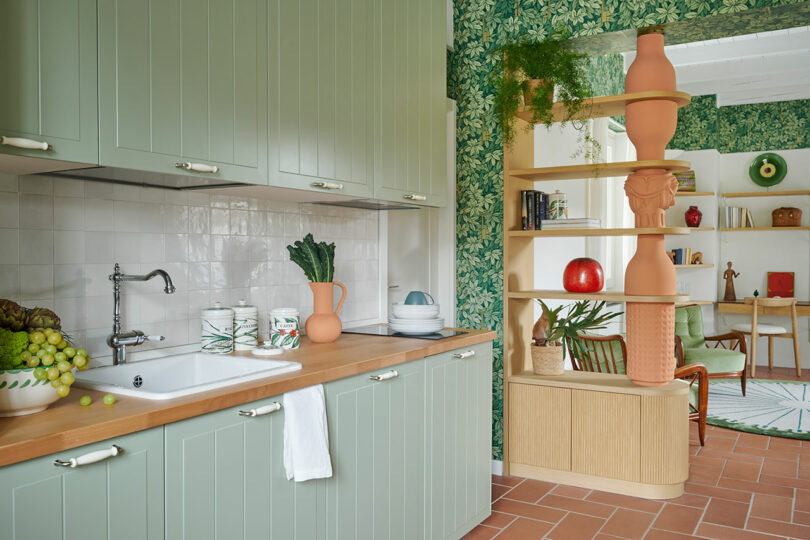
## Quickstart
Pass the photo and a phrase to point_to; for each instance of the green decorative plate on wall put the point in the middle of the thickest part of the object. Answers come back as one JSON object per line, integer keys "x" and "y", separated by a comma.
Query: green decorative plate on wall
{"x": 767, "y": 169}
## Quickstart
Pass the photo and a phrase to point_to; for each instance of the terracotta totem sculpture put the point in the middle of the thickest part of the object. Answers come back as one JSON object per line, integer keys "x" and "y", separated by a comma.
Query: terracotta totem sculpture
{"x": 650, "y": 126}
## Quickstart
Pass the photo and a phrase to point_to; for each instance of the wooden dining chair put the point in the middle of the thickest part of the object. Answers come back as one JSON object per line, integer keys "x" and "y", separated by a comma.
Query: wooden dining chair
{"x": 606, "y": 354}
{"x": 757, "y": 329}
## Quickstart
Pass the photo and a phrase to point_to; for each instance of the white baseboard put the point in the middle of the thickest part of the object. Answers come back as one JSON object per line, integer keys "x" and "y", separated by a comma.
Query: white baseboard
{"x": 497, "y": 467}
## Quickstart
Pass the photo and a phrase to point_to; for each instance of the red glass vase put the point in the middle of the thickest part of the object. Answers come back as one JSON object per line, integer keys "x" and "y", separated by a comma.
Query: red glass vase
{"x": 693, "y": 216}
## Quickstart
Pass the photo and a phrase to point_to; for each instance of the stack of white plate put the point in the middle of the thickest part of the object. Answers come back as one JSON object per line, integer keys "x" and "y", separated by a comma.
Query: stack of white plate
{"x": 415, "y": 319}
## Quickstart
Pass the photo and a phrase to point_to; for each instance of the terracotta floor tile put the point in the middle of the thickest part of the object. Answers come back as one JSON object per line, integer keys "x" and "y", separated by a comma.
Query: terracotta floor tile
{"x": 782, "y": 442}
{"x": 481, "y": 533}
{"x": 742, "y": 471}
{"x": 707, "y": 461}
{"x": 778, "y": 528}
{"x": 771, "y": 507}
{"x": 776, "y": 467}
{"x": 603, "y": 536}
{"x": 804, "y": 462}
{"x": 721, "y": 492}
{"x": 802, "y": 518}
{"x": 623, "y": 501}
{"x": 776, "y": 454}
{"x": 804, "y": 474}
{"x": 510, "y": 481}
{"x": 729, "y": 513}
{"x": 733, "y": 456}
{"x": 658, "y": 534}
{"x": 721, "y": 443}
{"x": 752, "y": 440}
{"x": 530, "y": 490}
{"x": 575, "y": 527}
{"x": 571, "y": 491}
{"x": 533, "y": 511}
{"x": 577, "y": 505}
{"x": 498, "y": 520}
{"x": 782, "y": 481}
{"x": 682, "y": 519}
{"x": 719, "y": 532}
{"x": 755, "y": 487}
{"x": 802, "y": 500}
{"x": 628, "y": 524}
{"x": 700, "y": 474}
{"x": 690, "y": 499}
{"x": 525, "y": 529}
{"x": 499, "y": 491}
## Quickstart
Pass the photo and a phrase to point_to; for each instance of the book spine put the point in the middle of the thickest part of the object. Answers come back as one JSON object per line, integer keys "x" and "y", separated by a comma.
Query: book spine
{"x": 524, "y": 225}
{"x": 538, "y": 210}
{"x": 530, "y": 209}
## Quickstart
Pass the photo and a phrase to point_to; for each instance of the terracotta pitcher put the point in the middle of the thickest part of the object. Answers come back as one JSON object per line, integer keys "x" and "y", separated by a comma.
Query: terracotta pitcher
{"x": 324, "y": 325}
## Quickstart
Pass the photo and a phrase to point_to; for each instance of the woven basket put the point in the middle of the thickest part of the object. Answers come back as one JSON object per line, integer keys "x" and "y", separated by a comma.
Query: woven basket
{"x": 548, "y": 360}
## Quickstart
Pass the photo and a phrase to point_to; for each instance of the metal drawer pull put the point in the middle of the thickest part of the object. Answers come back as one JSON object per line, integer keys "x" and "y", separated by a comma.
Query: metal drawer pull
{"x": 327, "y": 185}
{"x": 19, "y": 142}
{"x": 197, "y": 167}
{"x": 385, "y": 376}
{"x": 92, "y": 457}
{"x": 414, "y": 197}
{"x": 465, "y": 354}
{"x": 267, "y": 409}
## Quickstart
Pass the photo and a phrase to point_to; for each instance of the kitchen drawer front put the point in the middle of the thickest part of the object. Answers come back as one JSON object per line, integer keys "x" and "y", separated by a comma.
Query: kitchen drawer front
{"x": 120, "y": 497}
{"x": 48, "y": 54}
{"x": 225, "y": 478}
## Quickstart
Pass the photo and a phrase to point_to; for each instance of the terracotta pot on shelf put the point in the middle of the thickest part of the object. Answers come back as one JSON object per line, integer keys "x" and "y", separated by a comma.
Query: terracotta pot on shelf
{"x": 693, "y": 216}
{"x": 548, "y": 359}
{"x": 324, "y": 325}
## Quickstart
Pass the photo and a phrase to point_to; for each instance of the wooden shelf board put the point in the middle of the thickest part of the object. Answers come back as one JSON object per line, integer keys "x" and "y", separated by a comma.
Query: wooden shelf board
{"x": 694, "y": 266}
{"x": 694, "y": 193}
{"x": 701, "y": 228}
{"x": 550, "y": 233}
{"x": 768, "y": 193}
{"x": 609, "y": 296}
{"x": 602, "y": 106}
{"x": 698, "y": 302}
{"x": 765, "y": 229}
{"x": 597, "y": 170}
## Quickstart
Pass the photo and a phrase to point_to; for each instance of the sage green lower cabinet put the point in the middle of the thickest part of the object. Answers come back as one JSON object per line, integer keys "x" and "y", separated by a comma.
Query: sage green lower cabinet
{"x": 225, "y": 480}
{"x": 119, "y": 498}
{"x": 377, "y": 441}
{"x": 459, "y": 409}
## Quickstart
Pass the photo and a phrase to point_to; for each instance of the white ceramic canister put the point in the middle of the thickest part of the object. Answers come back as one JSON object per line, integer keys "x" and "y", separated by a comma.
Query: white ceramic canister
{"x": 217, "y": 329}
{"x": 245, "y": 326}
{"x": 557, "y": 205}
{"x": 285, "y": 328}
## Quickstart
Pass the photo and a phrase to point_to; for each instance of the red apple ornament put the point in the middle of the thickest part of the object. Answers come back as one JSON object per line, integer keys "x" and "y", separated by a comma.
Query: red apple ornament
{"x": 583, "y": 275}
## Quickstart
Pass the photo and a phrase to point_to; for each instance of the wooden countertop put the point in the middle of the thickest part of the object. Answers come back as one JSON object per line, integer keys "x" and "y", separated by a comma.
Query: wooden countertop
{"x": 66, "y": 424}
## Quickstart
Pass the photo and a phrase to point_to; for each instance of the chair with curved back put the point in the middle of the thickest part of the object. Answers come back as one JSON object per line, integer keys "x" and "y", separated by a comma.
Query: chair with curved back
{"x": 756, "y": 329}
{"x": 606, "y": 354}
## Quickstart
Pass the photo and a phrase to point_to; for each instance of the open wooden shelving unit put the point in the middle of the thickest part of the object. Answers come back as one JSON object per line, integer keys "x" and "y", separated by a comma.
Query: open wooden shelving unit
{"x": 767, "y": 193}
{"x": 556, "y": 233}
{"x": 694, "y": 193}
{"x": 697, "y": 302}
{"x": 607, "y": 296}
{"x": 699, "y": 229}
{"x": 602, "y": 106}
{"x": 597, "y": 170}
{"x": 765, "y": 229}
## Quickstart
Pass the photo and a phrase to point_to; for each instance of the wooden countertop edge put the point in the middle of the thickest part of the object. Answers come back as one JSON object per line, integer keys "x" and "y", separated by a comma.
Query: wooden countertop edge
{"x": 48, "y": 435}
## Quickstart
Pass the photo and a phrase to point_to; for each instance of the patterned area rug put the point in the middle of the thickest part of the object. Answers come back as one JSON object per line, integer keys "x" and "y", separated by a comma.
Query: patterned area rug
{"x": 775, "y": 408}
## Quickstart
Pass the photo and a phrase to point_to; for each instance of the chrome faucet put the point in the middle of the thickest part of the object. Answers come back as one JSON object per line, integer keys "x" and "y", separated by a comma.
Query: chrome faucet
{"x": 119, "y": 340}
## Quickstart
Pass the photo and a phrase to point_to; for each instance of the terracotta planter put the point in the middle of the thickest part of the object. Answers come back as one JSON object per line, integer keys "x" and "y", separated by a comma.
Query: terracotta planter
{"x": 548, "y": 359}
{"x": 324, "y": 325}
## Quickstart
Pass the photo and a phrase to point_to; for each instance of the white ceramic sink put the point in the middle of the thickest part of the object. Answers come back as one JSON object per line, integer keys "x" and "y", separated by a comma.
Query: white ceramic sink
{"x": 180, "y": 375}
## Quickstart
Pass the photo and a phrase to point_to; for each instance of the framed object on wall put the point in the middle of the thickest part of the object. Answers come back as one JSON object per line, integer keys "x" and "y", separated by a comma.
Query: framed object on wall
{"x": 780, "y": 284}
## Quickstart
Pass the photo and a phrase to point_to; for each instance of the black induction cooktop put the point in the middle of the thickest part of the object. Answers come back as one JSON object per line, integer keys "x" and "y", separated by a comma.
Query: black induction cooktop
{"x": 383, "y": 330}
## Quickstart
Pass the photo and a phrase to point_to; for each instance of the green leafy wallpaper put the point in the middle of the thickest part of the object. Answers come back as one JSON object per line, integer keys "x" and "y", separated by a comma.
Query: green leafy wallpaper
{"x": 480, "y": 27}
{"x": 780, "y": 125}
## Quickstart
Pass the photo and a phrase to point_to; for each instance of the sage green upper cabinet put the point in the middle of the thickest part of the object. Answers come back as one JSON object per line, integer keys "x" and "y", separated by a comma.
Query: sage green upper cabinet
{"x": 48, "y": 90}
{"x": 410, "y": 151}
{"x": 184, "y": 81}
{"x": 322, "y": 95}
{"x": 117, "y": 498}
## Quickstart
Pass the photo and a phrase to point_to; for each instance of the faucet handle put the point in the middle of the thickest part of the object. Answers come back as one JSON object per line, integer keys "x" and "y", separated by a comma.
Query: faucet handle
{"x": 155, "y": 338}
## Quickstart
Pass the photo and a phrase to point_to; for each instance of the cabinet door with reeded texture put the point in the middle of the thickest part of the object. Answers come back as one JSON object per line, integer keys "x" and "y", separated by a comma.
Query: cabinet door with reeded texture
{"x": 410, "y": 151}
{"x": 184, "y": 81}
{"x": 48, "y": 91}
{"x": 459, "y": 412}
{"x": 225, "y": 480}
{"x": 119, "y": 498}
{"x": 321, "y": 95}
{"x": 377, "y": 440}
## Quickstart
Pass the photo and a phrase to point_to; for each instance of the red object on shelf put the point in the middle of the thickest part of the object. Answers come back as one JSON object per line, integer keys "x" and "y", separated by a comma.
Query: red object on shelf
{"x": 583, "y": 275}
{"x": 780, "y": 284}
{"x": 693, "y": 216}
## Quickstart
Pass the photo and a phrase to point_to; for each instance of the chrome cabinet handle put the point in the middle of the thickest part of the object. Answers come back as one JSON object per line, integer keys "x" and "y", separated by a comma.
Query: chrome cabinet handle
{"x": 28, "y": 144}
{"x": 92, "y": 457}
{"x": 197, "y": 167}
{"x": 465, "y": 354}
{"x": 327, "y": 185}
{"x": 267, "y": 409}
{"x": 414, "y": 197}
{"x": 385, "y": 376}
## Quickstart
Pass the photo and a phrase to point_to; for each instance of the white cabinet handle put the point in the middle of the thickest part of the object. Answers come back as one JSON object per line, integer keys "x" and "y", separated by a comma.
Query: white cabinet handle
{"x": 414, "y": 197}
{"x": 385, "y": 376}
{"x": 465, "y": 354}
{"x": 19, "y": 142}
{"x": 197, "y": 167}
{"x": 267, "y": 409}
{"x": 92, "y": 457}
{"x": 327, "y": 185}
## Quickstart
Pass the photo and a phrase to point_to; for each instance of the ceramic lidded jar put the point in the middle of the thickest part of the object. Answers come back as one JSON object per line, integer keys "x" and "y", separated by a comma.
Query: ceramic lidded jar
{"x": 693, "y": 217}
{"x": 245, "y": 326}
{"x": 217, "y": 329}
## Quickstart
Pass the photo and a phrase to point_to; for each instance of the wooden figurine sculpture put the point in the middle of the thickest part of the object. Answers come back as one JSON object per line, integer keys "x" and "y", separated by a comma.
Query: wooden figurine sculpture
{"x": 671, "y": 255}
{"x": 697, "y": 258}
{"x": 729, "y": 276}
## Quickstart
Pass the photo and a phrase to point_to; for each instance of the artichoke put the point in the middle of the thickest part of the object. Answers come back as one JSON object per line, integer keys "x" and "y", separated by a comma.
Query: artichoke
{"x": 12, "y": 316}
{"x": 39, "y": 318}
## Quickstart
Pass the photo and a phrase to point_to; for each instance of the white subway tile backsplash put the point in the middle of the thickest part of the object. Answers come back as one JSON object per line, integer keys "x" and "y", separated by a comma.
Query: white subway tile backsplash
{"x": 9, "y": 246}
{"x": 9, "y": 209}
{"x": 198, "y": 247}
{"x": 98, "y": 190}
{"x": 98, "y": 247}
{"x": 36, "y": 246}
{"x": 40, "y": 185}
{"x": 36, "y": 281}
{"x": 68, "y": 213}
{"x": 98, "y": 213}
{"x": 68, "y": 281}
{"x": 239, "y": 222}
{"x": 220, "y": 221}
{"x": 36, "y": 211}
{"x": 10, "y": 281}
{"x": 151, "y": 248}
{"x": 176, "y": 247}
{"x": 175, "y": 219}
{"x": 69, "y": 187}
{"x": 9, "y": 183}
{"x": 68, "y": 247}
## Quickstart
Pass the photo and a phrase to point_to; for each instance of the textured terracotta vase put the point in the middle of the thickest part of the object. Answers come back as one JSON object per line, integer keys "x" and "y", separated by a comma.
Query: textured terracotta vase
{"x": 324, "y": 325}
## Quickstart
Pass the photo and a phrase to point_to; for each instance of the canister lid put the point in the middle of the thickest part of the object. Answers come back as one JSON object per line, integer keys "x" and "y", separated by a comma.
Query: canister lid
{"x": 218, "y": 310}
{"x": 284, "y": 311}
{"x": 244, "y": 308}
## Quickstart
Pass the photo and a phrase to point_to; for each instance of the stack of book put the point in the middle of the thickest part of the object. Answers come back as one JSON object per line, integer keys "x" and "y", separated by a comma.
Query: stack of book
{"x": 739, "y": 218}
{"x": 683, "y": 255}
{"x": 574, "y": 223}
{"x": 533, "y": 205}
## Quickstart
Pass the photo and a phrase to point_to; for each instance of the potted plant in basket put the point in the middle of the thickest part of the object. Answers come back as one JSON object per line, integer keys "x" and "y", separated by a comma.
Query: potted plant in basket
{"x": 318, "y": 263}
{"x": 555, "y": 331}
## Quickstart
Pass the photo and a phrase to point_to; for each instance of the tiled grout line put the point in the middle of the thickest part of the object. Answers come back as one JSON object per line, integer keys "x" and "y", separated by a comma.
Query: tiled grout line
{"x": 703, "y": 514}
{"x": 507, "y": 526}
{"x": 649, "y": 528}
{"x": 615, "y": 509}
{"x": 558, "y": 523}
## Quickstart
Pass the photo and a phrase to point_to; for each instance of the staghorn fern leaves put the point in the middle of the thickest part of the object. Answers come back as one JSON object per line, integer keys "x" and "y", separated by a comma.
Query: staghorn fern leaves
{"x": 316, "y": 260}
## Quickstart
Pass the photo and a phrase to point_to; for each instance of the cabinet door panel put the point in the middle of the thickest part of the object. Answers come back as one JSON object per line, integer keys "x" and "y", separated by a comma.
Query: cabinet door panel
{"x": 48, "y": 54}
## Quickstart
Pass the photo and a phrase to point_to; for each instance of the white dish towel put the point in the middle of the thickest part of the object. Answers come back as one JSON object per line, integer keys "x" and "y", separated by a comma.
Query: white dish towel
{"x": 306, "y": 436}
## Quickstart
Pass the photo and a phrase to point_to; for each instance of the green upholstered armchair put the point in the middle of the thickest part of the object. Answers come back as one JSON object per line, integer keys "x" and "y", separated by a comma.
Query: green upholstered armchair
{"x": 724, "y": 356}
{"x": 606, "y": 354}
